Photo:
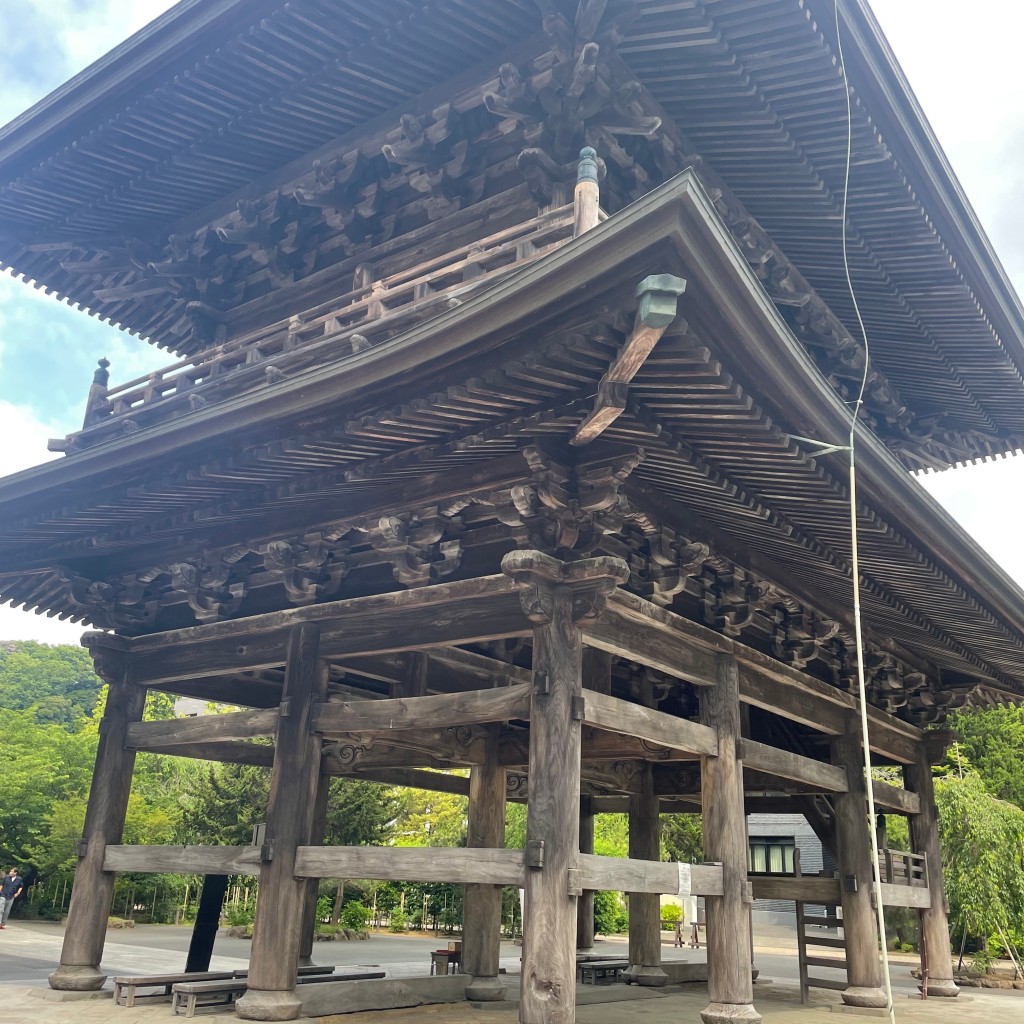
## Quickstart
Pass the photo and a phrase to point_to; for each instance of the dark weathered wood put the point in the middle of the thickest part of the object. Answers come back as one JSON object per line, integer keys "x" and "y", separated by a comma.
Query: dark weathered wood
{"x": 806, "y": 889}
{"x": 645, "y": 908}
{"x": 924, "y": 838}
{"x": 104, "y": 823}
{"x": 786, "y": 765}
{"x": 415, "y": 778}
{"x": 481, "y": 927}
{"x": 730, "y": 989}
{"x": 338, "y": 718}
{"x": 892, "y": 798}
{"x": 235, "y": 725}
{"x": 853, "y": 842}
{"x": 918, "y": 898}
{"x": 429, "y": 864}
{"x": 184, "y": 860}
{"x": 204, "y": 931}
{"x": 585, "y": 905}
{"x": 620, "y": 716}
{"x": 437, "y": 616}
{"x": 307, "y": 930}
{"x": 229, "y": 752}
{"x": 276, "y": 941}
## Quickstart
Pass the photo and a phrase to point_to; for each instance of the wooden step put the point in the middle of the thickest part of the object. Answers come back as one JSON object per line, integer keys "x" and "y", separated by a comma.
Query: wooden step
{"x": 824, "y": 961}
{"x": 824, "y": 940}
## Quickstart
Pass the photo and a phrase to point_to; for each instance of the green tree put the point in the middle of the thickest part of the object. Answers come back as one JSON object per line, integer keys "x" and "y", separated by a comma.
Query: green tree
{"x": 992, "y": 742}
{"x": 56, "y": 683}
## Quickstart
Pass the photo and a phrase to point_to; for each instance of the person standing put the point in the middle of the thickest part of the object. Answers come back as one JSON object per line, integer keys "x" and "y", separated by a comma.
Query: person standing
{"x": 10, "y": 890}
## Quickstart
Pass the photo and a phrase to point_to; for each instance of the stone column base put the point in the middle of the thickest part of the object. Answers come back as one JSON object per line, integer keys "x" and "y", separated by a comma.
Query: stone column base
{"x": 946, "y": 987}
{"x": 77, "y": 979}
{"x": 870, "y": 997}
{"x": 257, "y": 1005}
{"x": 648, "y": 976}
{"x": 727, "y": 1013}
{"x": 485, "y": 990}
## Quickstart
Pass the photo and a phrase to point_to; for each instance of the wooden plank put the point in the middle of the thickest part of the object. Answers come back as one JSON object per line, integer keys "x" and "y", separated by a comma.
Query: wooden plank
{"x": 473, "y": 707}
{"x": 893, "y": 798}
{"x": 184, "y": 860}
{"x": 805, "y": 889}
{"x": 626, "y": 875}
{"x": 398, "y": 864}
{"x": 785, "y": 765}
{"x": 236, "y": 725}
{"x": 416, "y": 778}
{"x": 620, "y": 716}
{"x": 444, "y": 615}
{"x": 232, "y": 752}
{"x": 916, "y": 896}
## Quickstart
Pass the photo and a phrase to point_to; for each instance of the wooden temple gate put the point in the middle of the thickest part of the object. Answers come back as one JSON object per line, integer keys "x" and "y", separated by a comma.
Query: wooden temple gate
{"x": 510, "y": 362}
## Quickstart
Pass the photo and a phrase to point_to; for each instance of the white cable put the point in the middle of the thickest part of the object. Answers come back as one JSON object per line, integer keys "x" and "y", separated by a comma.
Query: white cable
{"x": 854, "y": 546}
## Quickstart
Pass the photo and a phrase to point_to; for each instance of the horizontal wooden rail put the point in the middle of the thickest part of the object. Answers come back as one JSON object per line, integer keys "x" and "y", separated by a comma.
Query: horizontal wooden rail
{"x": 236, "y": 725}
{"x": 626, "y": 875}
{"x": 914, "y": 896}
{"x": 805, "y": 888}
{"x": 471, "y": 707}
{"x": 892, "y": 798}
{"x": 795, "y": 767}
{"x": 622, "y": 717}
{"x": 403, "y": 864}
{"x": 183, "y": 860}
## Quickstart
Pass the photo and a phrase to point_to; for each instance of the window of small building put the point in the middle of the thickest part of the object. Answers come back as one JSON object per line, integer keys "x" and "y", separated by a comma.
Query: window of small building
{"x": 771, "y": 854}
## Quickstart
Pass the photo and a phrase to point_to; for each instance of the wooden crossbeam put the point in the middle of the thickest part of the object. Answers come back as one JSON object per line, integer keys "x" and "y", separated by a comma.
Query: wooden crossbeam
{"x": 892, "y": 798}
{"x": 619, "y": 716}
{"x": 338, "y": 718}
{"x": 627, "y": 875}
{"x": 228, "y": 752}
{"x": 183, "y": 860}
{"x": 398, "y": 864}
{"x": 444, "y": 615}
{"x": 237, "y": 725}
{"x": 807, "y": 889}
{"x": 914, "y": 896}
{"x": 796, "y": 767}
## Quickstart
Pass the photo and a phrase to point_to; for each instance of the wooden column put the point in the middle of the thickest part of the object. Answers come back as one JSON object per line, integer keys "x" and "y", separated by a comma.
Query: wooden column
{"x": 274, "y": 959}
{"x": 597, "y": 676}
{"x": 585, "y": 906}
{"x": 481, "y": 930}
{"x": 204, "y": 931}
{"x": 307, "y": 934}
{"x": 587, "y": 197}
{"x": 853, "y": 842}
{"x": 645, "y": 907}
{"x": 924, "y": 838}
{"x": 730, "y": 986}
{"x": 557, "y": 597}
{"x": 86, "y": 929}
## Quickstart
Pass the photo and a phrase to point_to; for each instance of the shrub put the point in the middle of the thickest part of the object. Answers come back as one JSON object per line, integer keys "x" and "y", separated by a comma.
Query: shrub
{"x": 355, "y": 916}
{"x": 670, "y": 913}
{"x": 397, "y": 922}
{"x": 238, "y": 914}
{"x": 610, "y": 917}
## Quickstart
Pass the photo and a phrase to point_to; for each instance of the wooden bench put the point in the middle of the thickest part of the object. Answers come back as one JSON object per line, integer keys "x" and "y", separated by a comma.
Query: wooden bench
{"x": 196, "y": 994}
{"x": 601, "y": 970}
{"x": 304, "y": 971}
{"x": 127, "y": 987}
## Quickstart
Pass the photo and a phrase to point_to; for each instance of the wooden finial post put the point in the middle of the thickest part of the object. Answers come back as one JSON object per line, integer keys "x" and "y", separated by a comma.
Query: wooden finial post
{"x": 587, "y": 199}
{"x": 96, "y": 406}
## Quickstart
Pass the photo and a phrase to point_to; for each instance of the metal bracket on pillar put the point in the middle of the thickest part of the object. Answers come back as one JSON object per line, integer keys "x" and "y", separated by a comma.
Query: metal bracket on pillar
{"x": 267, "y": 851}
{"x": 533, "y": 854}
{"x": 541, "y": 684}
{"x": 850, "y": 883}
{"x": 286, "y": 708}
{"x": 579, "y": 708}
{"x": 747, "y": 892}
{"x": 81, "y": 847}
{"x": 575, "y": 882}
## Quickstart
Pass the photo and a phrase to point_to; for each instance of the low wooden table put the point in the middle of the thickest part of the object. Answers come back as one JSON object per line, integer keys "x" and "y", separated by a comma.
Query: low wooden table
{"x": 443, "y": 960}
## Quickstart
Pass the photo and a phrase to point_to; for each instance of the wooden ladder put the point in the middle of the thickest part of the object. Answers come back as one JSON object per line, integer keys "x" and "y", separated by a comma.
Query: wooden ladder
{"x": 805, "y": 940}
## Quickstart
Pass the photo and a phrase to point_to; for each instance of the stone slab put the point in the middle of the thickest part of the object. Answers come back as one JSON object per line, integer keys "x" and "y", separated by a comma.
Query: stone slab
{"x": 329, "y": 998}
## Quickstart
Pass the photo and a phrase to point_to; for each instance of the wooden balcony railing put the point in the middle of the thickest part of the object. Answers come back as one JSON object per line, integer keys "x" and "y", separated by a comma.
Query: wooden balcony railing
{"x": 899, "y": 867}
{"x": 371, "y": 312}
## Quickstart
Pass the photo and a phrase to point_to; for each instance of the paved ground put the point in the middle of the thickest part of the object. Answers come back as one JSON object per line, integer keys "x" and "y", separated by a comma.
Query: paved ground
{"x": 28, "y": 952}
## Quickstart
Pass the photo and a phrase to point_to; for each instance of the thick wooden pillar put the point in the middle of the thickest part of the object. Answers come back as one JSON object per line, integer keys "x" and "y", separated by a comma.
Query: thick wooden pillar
{"x": 557, "y": 597}
{"x": 585, "y": 906}
{"x": 204, "y": 931}
{"x": 730, "y": 986}
{"x": 86, "y": 929}
{"x": 924, "y": 838}
{"x": 853, "y": 843}
{"x": 274, "y": 959}
{"x": 645, "y": 907}
{"x": 481, "y": 931}
{"x": 307, "y": 934}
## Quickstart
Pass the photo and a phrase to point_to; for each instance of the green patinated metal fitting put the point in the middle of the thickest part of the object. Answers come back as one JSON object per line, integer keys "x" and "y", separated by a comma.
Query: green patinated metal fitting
{"x": 587, "y": 167}
{"x": 658, "y": 296}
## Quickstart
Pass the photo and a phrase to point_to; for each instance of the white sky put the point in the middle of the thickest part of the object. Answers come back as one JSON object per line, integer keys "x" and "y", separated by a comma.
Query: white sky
{"x": 964, "y": 74}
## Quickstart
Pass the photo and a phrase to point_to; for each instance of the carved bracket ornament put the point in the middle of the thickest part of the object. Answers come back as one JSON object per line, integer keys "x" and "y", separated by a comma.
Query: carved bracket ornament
{"x": 542, "y": 579}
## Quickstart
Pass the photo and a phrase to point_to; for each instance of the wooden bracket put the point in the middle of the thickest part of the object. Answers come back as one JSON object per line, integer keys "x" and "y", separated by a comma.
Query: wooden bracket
{"x": 267, "y": 851}
{"x": 575, "y": 882}
{"x": 285, "y": 709}
{"x": 533, "y": 854}
{"x": 81, "y": 847}
{"x": 579, "y": 708}
{"x": 747, "y": 891}
{"x": 541, "y": 684}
